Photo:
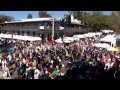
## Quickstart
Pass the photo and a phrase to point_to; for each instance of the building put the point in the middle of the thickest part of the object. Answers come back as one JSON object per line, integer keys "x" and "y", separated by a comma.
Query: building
{"x": 42, "y": 27}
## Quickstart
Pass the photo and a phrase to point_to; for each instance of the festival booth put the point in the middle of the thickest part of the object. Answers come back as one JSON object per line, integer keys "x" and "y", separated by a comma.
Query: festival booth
{"x": 26, "y": 38}
{"x": 20, "y": 37}
{"x": 5, "y": 35}
{"x": 68, "y": 39}
{"x": 98, "y": 33}
{"x": 106, "y": 32}
{"x": 109, "y": 39}
{"x": 89, "y": 35}
{"x": 77, "y": 37}
{"x": 30, "y": 38}
{"x": 59, "y": 40}
{"x": 102, "y": 45}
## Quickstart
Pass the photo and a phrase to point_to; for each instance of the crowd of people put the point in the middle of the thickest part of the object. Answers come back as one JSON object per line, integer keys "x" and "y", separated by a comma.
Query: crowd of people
{"x": 76, "y": 60}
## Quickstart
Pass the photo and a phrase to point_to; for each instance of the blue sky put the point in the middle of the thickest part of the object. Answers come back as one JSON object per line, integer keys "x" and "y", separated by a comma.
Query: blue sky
{"x": 18, "y": 15}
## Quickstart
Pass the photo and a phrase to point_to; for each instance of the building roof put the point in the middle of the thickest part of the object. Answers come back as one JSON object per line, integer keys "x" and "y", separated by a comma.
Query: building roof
{"x": 31, "y": 20}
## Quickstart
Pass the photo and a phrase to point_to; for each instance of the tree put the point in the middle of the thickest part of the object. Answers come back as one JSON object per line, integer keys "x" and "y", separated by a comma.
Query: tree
{"x": 114, "y": 21}
{"x": 96, "y": 12}
{"x": 43, "y": 14}
{"x": 96, "y": 21}
{"x": 4, "y": 18}
{"x": 29, "y": 16}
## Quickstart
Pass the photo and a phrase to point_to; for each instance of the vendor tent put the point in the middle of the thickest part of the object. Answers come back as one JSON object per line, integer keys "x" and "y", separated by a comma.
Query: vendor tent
{"x": 102, "y": 45}
{"x": 59, "y": 40}
{"x": 68, "y": 39}
{"x": 109, "y": 38}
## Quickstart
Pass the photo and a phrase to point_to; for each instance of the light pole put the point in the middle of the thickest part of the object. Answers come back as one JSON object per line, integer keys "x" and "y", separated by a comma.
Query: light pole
{"x": 53, "y": 28}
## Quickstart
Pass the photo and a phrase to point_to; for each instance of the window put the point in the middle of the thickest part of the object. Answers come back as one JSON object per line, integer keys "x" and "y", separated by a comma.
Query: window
{"x": 33, "y": 33}
{"x": 22, "y": 32}
{"x": 28, "y": 33}
{"x": 18, "y": 32}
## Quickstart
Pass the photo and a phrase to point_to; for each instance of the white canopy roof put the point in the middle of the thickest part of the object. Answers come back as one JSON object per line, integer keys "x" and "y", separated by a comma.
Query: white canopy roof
{"x": 98, "y": 33}
{"x": 68, "y": 39}
{"x": 5, "y": 35}
{"x": 108, "y": 38}
{"x": 102, "y": 45}
{"x": 59, "y": 40}
{"x": 79, "y": 36}
{"x": 20, "y": 37}
{"x": 89, "y": 35}
{"x": 107, "y": 31}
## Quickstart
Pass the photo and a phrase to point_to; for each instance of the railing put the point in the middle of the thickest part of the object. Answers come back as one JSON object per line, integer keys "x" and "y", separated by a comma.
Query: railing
{"x": 75, "y": 30}
{"x": 24, "y": 28}
{"x": 19, "y": 27}
{"x": 66, "y": 29}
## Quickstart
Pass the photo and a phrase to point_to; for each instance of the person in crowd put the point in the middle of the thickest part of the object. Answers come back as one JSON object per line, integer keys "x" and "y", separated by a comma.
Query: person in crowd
{"x": 50, "y": 61}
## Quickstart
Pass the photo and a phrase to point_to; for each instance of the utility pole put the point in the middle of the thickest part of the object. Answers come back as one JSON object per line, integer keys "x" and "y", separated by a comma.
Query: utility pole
{"x": 53, "y": 28}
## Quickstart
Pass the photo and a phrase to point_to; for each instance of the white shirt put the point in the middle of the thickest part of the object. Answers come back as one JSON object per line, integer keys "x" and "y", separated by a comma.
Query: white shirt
{"x": 24, "y": 61}
{"x": 36, "y": 74}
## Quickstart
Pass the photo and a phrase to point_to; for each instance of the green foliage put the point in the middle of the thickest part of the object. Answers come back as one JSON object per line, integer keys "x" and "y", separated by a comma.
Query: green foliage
{"x": 43, "y": 14}
{"x": 97, "y": 21}
{"x": 4, "y": 18}
{"x": 29, "y": 16}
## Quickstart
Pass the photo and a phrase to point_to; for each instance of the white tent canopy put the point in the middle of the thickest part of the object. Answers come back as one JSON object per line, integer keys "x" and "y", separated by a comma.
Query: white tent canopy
{"x": 109, "y": 38}
{"x": 107, "y": 31}
{"x": 59, "y": 40}
{"x": 5, "y": 35}
{"x": 89, "y": 35}
{"x": 20, "y": 37}
{"x": 77, "y": 37}
{"x": 104, "y": 45}
{"x": 110, "y": 49}
{"x": 98, "y": 33}
{"x": 68, "y": 39}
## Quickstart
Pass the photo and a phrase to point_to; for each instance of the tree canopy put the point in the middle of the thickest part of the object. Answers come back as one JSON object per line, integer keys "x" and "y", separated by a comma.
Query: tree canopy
{"x": 43, "y": 14}
{"x": 29, "y": 16}
{"x": 4, "y": 18}
{"x": 97, "y": 21}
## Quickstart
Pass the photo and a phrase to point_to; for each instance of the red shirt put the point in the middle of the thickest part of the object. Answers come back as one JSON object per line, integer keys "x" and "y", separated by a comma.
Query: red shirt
{"x": 30, "y": 59}
{"x": 111, "y": 56}
{"x": 50, "y": 70}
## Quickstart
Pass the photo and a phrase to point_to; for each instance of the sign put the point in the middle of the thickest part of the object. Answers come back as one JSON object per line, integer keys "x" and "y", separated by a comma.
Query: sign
{"x": 41, "y": 27}
{"x": 61, "y": 28}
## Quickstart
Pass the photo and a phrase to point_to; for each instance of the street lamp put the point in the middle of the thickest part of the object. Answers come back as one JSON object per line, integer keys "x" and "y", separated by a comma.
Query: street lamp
{"x": 53, "y": 28}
